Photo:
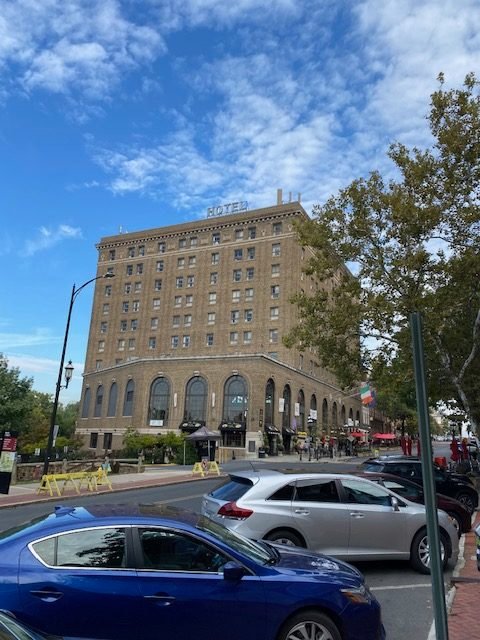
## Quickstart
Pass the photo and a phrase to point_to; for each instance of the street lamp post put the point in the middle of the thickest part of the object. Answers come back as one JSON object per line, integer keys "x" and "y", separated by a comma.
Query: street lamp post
{"x": 68, "y": 370}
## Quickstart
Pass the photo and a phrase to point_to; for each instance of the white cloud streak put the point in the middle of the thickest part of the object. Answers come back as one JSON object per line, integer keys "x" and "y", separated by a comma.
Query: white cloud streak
{"x": 49, "y": 238}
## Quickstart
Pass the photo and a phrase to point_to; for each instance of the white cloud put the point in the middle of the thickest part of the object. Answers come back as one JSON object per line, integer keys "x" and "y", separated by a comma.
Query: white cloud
{"x": 39, "y": 337}
{"x": 48, "y": 238}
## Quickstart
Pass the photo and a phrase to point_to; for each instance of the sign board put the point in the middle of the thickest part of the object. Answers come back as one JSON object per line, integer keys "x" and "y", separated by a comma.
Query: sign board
{"x": 225, "y": 209}
{"x": 8, "y": 447}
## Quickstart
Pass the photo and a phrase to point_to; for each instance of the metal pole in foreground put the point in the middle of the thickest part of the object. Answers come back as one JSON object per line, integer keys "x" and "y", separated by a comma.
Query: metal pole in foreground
{"x": 438, "y": 587}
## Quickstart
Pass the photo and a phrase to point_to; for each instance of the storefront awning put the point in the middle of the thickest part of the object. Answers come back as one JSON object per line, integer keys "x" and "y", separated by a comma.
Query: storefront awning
{"x": 191, "y": 425}
{"x": 232, "y": 426}
{"x": 288, "y": 432}
{"x": 384, "y": 436}
{"x": 271, "y": 428}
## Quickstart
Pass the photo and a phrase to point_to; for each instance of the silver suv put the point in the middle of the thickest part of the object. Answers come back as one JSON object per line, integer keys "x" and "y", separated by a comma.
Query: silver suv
{"x": 341, "y": 515}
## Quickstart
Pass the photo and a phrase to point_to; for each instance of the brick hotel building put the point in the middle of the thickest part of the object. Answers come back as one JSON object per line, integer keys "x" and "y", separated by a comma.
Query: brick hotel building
{"x": 189, "y": 333}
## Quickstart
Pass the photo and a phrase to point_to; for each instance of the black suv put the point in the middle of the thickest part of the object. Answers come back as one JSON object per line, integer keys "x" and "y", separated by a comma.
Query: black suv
{"x": 446, "y": 483}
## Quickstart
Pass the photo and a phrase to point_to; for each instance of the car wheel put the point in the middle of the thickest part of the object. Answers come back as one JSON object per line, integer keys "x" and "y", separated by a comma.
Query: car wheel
{"x": 309, "y": 624}
{"x": 284, "y": 536}
{"x": 420, "y": 552}
{"x": 467, "y": 500}
{"x": 457, "y": 523}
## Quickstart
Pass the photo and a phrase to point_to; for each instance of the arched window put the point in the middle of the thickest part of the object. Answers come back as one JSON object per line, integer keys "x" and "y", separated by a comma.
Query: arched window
{"x": 343, "y": 416}
{"x": 350, "y": 418}
{"x": 335, "y": 415}
{"x": 287, "y": 407}
{"x": 196, "y": 401}
{"x": 325, "y": 415}
{"x": 301, "y": 408}
{"x": 235, "y": 400}
{"x": 357, "y": 419}
{"x": 159, "y": 401}
{"x": 86, "y": 403}
{"x": 97, "y": 412}
{"x": 112, "y": 400}
{"x": 128, "y": 399}
{"x": 269, "y": 402}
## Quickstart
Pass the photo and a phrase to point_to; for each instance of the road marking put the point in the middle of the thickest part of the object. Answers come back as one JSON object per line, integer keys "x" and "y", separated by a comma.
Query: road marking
{"x": 402, "y": 586}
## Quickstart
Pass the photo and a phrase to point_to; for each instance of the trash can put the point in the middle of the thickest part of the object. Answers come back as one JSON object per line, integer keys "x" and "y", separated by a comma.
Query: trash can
{"x": 261, "y": 452}
{"x": 477, "y": 540}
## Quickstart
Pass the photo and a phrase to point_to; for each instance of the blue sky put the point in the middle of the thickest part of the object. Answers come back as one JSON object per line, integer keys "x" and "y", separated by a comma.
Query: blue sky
{"x": 131, "y": 114}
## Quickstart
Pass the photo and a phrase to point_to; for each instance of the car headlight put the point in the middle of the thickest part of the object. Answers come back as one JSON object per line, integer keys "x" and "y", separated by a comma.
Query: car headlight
{"x": 358, "y": 595}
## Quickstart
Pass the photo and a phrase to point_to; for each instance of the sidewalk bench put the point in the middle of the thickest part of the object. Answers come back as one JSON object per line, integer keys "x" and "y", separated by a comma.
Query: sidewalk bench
{"x": 78, "y": 479}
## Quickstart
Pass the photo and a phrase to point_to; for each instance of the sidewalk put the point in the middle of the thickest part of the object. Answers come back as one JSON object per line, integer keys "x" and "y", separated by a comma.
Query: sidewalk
{"x": 463, "y": 598}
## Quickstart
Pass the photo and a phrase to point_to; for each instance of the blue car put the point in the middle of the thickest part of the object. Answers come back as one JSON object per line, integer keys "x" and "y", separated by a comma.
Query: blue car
{"x": 143, "y": 572}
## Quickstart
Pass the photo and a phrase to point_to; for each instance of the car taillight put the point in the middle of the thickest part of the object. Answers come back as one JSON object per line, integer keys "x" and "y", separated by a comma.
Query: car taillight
{"x": 232, "y": 510}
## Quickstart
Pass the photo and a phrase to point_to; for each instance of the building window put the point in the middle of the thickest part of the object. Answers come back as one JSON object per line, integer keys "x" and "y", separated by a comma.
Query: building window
{"x": 236, "y": 295}
{"x": 131, "y": 252}
{"x": 176, "y": 321}
{"x": 276, "y": 249}
{"x": 106, "y": 308}
{"x": 251, "y": 253}
{"x": 111, "y": 254}
{"x": 249, "y": 294}
{"x": 192, "y": 261}
{"x": 136, "y": 305}
{"x": 212, "y": 298}
{"x": 300, "y": 362}
{"x": 238, "y": 234}
{"x": 238, "y": 254}
{"x": 234, "y": 317}
{"x": 187, "y": 320}
{"x": 215, "y": 258}
{"x": 195, "y": 401}
{"x": 214, "y": 277}
{"x": 193, "y": 241}
{"x": 107, "y": 441}
{"x": 275, "y": 290}
{"x": 108, "y": 290}
{"x": 174, "y": 342}
{"x": 178, "y": 301}
{"x": 211, "y": 317}
{"x": 121, "y": 345}
{"x": 101, "y": 345}
{"x": 98, "y": 364}
{"x": 190, "y": 281}
{"x": 112, "y": 400}
{"x": 138, "y": 287}
{"x": 97, "y": 411}
{"x": 235, "y": 400}
{"x": 275, "y": 270}
{"x": 118, "y": 360}
{"x": 180, "y": 263}
{"x": 250, "y": 273}
{"x": 233, "y": 337}
{"x": 141, "y": 250}
{"x": 252, "y": 233}
{"x": 182, "y": 243}
{"x": 139, "y": 268}
{"x": 110, "y": 270}
{"x": 216, "y": 238}
{"x": 237, "y": 275}
{"x": 93, "y": 440}
{"x": 188, "y": 300}
{"x": 125, "y": 306}
{"x": 129, "y": 269}
{"x": 133, "y": 324}
{"x": 153, "y": 323}
{"x": 276, "y": 228}
{"x": 103, "y": 327}
{"x": 158, "y": 285}
{"x": 131, "y": 344}
{"x": 179, "y": 282}
{"x": 123, "y": 325}
{"x": 248, "y": 315}
{"x": 152, "y": 342}
{"x": 161, "y": 247}
{"x": 127, "y": 289}
{"x": 247, "y": 337}
{"x": 273, "y": 335}
{"x": 156, "y": 303}
{"x": 186, "y": 341}
{"x": 86, "y": 402}
{"x": 159, "y": 401}
{"x": 274, "y": 313}
{"x": 128, "y": 398}
{"x": 209, "y": 339}
{"x": 160, "y": 265}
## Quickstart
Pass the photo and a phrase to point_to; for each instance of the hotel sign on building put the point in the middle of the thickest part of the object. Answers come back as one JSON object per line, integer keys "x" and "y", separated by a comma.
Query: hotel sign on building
{"x": 224, "y": 209}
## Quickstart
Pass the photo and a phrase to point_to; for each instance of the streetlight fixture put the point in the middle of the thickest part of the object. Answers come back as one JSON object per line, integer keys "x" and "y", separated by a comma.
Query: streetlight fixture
{"x": 68, "y": 369}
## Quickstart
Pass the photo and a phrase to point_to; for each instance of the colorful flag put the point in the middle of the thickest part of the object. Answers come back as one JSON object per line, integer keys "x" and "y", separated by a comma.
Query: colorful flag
{"x": 366, "y": 394}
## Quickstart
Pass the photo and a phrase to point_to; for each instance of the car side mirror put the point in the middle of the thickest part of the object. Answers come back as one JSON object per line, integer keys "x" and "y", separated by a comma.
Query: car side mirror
{"x": 395, "y": 503}
{"x": 233, "y": 572}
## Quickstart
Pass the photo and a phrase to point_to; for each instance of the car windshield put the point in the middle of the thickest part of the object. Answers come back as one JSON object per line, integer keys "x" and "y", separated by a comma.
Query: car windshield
{"x": 249, "y": 548}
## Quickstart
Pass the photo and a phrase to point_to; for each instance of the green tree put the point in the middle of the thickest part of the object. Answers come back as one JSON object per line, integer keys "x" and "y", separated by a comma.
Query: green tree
{"x": 412, "y": 243}
{"x": 15, "y": 397}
